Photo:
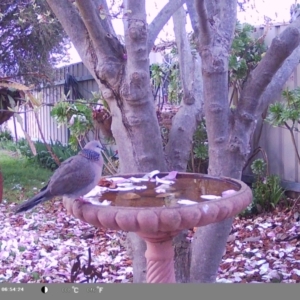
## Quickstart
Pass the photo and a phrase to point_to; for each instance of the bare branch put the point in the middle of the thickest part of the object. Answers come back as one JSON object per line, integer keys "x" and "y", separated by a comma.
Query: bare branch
{"x": 186, "y": 119}
{"x": 184, "y": 53}
{"x": 161, "y": 19}
{"x": 245, "y": 116}
{"x": 282, "y": 46}
{"x": 136, "y": 33}
{"x": 204, "y": 27}
{"x": 274, "y": 89}
{"x": 193, "y": 15}
{"x": 227, "y": 10}
{"x": 106, "y": 23}
{"x": 68, "y": 16}
{"x": 215, "y": 17}
{"x": 97, "y": 28}
{"x": 214, "y": 45}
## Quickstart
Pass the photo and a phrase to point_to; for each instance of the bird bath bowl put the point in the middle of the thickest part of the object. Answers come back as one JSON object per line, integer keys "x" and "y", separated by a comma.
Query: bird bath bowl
{"x": 156, "y": 216}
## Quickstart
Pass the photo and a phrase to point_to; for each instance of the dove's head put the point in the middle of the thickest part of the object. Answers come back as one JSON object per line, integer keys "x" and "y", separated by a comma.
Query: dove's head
{"x": 94, "y": 146}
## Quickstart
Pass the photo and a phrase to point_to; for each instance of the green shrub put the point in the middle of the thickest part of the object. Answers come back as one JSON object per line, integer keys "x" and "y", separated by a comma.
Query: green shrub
{"x": 8, "y": 145}
{"x": 267, "y": 191}
{"x": 5, "y": 135}
{"x": 76, "y": 116}
{"x": 267, "y": 194}
{"x": 43, "y": 157}
{"x": 287, "y": 114}
{"x": 198, "y": 161}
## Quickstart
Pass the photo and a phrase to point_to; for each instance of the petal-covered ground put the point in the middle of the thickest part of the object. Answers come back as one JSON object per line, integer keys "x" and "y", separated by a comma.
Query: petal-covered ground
{"x": 42, "y": 246}
{"x": 48, "y": 245}
{"x": 263, "y": 249}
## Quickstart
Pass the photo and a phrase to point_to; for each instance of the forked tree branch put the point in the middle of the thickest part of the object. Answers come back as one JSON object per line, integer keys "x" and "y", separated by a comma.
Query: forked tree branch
{"x": 106, "y": 22}
{"x": 161, "y": 19}
{"x": 281, "y": 48}
{"x": 98, "y": 29}
{"x": 274, "y": 88}
{"x": 193, "y": 16}
{"x": 204, "y": 27}
{"x": 72, "y": 23}
{"x": 184, "y": 54}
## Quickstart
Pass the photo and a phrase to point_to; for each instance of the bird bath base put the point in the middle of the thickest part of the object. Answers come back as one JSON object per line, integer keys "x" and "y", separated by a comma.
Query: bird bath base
{"x": 160, "y": 257}
{"x": 159, "y": 225}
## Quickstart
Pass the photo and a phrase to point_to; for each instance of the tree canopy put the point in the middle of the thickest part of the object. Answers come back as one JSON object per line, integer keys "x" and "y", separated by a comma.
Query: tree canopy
{"x": 32, "y": 40}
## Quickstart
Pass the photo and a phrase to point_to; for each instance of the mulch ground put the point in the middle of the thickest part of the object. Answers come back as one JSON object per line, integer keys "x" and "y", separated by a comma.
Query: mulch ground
{"x": 47, "y": 245}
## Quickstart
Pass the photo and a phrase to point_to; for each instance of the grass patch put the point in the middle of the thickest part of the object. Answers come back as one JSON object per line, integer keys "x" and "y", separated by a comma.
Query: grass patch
{"x": 22, "y": 179}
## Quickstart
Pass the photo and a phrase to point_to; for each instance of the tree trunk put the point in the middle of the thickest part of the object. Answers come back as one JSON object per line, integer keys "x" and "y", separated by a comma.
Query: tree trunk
{"x": 185, "y": 122}
{"x": 122, "y": 73}
{"x": 136, "y": 248}
{"x": 229, "y": 131}
{"x": 182, "y": 257}
{"x": 208, "y": 247}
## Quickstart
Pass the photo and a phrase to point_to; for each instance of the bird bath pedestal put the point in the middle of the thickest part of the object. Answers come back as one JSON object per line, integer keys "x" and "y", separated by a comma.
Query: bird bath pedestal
{"x": 158, "y": 225}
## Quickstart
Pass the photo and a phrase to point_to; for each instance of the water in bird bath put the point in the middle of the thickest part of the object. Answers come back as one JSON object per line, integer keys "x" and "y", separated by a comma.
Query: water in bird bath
{"x": 158, "y": 193}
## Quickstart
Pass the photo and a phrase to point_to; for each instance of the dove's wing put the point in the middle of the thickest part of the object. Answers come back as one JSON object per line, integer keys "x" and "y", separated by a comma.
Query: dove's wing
{"x": 73, "y": 177}
{"x": 44, "y": 188}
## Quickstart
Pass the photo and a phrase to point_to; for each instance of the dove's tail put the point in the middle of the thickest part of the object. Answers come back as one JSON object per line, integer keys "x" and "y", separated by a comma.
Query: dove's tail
{"x": 29, "y": 204}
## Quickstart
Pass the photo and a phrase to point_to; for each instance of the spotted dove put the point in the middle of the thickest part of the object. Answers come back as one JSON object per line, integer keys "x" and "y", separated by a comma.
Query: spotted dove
{"x": 74, "y": 178}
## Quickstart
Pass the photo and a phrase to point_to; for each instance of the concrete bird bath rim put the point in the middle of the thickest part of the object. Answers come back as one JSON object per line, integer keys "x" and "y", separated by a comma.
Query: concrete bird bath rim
{"x": 158, "y": 225}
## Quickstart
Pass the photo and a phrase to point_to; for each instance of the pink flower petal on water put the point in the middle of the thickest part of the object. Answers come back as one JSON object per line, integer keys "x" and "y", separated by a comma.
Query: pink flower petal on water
{"x": 228, "y": 193}
{"x": 171, "y": 176}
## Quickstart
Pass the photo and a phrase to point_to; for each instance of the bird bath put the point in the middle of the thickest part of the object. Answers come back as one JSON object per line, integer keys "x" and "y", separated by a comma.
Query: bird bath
{"x": 156, "y": 216}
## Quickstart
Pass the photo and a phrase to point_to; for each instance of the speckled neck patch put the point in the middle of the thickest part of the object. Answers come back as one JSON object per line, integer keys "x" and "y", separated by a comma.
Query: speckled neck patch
{"x": 90, "y": 154}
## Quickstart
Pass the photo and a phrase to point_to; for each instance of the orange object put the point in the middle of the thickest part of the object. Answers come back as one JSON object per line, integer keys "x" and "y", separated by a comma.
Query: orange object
{"x": 107, "y": 183}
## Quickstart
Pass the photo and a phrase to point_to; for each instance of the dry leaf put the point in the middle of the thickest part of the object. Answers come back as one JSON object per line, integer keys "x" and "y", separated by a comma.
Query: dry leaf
{"x": 130, "y": 196}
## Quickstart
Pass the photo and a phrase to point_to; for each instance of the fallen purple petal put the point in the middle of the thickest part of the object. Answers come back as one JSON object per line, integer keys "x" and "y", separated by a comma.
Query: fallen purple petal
{"x": 171, "y": 176}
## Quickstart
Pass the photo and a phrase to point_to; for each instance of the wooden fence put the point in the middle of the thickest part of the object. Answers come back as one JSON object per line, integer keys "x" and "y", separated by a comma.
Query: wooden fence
{"x": 51, "y": 95}
{"x": 275, "y": 141}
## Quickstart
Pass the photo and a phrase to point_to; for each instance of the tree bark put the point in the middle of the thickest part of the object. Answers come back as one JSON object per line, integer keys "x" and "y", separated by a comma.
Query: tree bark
{"x": 136, "y": 248}
{"x": 230, "y": 131}
{"x": 182, "y": 257}
{"x": 122, "y": 73}
{"x": 184, "y": 123}
{"x": 216, "y": 29}
{"x": 274, "y": 88}
{"x": 208, "y": 247}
